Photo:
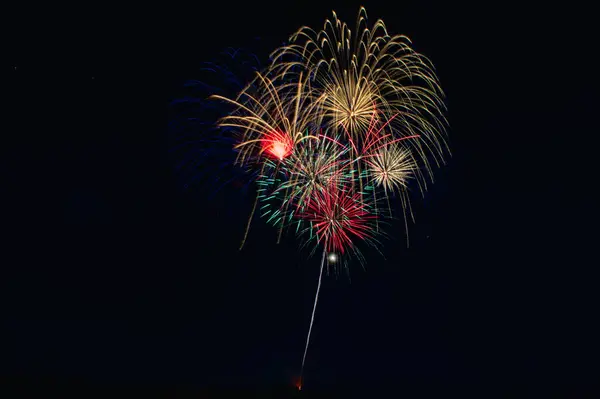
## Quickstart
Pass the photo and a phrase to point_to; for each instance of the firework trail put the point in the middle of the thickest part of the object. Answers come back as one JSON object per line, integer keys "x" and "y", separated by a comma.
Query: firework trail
{"x": 339, "y": 217}
{"x": 312, "y": 319}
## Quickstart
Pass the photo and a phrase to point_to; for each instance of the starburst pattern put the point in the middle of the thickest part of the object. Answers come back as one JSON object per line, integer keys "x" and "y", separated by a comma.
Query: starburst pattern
{"x": 391, "y": 167}
{"x": 340, "y": 218}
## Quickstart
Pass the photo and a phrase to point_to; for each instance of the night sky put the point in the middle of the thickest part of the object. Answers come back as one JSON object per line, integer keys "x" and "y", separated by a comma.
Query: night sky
{"x": 117, "y": 278}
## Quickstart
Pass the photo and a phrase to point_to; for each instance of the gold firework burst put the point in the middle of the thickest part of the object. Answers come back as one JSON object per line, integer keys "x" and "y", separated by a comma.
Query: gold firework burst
{"x": 392, "y": 167}
{"x": 365, "y": 71}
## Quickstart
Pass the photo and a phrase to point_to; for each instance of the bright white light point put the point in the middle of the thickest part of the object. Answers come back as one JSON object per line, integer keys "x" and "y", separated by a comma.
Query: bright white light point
{"x": 332, "y": 257}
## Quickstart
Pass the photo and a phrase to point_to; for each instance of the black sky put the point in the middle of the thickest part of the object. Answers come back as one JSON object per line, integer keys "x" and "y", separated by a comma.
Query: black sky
{"x": 115, "y": 278}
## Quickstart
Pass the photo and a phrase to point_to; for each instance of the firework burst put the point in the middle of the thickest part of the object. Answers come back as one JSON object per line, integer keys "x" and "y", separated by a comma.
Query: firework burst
{"x": 391, "y": 167}
{"x": 367, "y": 70}
{"x": 318, "y": 165}
{"x": 339, "y": 218}
{"x": 273, "y": 117}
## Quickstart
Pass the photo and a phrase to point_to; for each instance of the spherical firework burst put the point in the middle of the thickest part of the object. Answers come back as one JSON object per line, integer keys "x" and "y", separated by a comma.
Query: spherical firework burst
{"x": 391, "y": 167}
{"x": 339, "y": 218}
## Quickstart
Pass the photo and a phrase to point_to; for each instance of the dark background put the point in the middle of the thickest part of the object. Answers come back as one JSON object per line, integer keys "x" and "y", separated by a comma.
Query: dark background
{"x": 116, "y": 279}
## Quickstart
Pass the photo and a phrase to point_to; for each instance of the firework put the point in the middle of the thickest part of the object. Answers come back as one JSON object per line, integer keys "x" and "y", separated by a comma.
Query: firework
{"x": 273, "y": 117}
{"x": 391, "y": 167}
{"x": 339, "y": 121}
{"x": 339, "y": 217}
{"x": 367, "y": 89}
{"x": 287, "y": 187}
{"x": 365, "y": 71}
{"x": 319, "y": 165}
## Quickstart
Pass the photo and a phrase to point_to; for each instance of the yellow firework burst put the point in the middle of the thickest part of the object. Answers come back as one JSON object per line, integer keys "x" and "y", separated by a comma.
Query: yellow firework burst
{"x": 273, "y": 116}
{"x": 391, "y": 167}
{"x": 365, "y": 71}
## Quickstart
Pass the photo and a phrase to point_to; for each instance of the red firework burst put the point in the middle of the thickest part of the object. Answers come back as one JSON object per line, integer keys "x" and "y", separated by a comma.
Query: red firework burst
{"x": 278, "y": 145}
{"x": 337, "y": 216}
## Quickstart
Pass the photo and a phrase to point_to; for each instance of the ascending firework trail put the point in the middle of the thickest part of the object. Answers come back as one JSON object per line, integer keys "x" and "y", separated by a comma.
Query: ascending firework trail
{"x": 312, "y": 319}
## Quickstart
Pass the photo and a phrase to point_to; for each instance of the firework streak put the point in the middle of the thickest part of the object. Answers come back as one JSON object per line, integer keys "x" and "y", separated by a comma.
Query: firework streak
{"x": 336, "y": 127}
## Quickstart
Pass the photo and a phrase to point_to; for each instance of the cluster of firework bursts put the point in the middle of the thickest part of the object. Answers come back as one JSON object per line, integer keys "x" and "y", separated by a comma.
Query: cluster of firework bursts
{"x": 333, "y": 130}
{"x": 336, "y": 127}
